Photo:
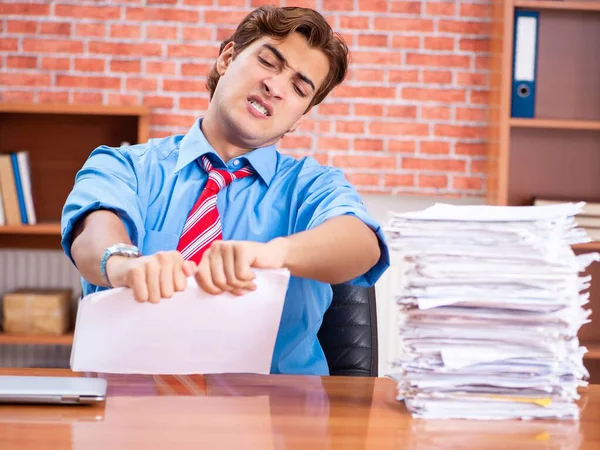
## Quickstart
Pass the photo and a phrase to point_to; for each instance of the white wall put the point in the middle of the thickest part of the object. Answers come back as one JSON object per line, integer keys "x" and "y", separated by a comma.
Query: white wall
{"x": 379, "y": 206}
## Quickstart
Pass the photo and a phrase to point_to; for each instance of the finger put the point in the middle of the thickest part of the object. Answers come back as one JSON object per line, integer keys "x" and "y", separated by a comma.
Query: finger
{"x": 153, "y": 281}
{"x": 179, "y": 276}
{"x": 216, "y": 268}
{"x": 242, "y": 264}
{"x": 189, "y": 268}
{"x": 228, "y": 255}
{"x": 166, "y": 277}
{"x": 203, "y": 276}
{"x": 137, "y": 281}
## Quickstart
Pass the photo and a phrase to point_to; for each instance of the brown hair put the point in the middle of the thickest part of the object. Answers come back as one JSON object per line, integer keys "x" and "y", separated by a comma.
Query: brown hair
{"x": 279, "y": 23}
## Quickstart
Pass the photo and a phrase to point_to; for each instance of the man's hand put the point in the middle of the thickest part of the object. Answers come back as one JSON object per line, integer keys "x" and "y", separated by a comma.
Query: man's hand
{"x": 152, "y": 277}
{"x": 226, "y": 265}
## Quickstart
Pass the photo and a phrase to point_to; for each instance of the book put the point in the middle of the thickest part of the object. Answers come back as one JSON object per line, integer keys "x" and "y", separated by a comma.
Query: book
{"x": 10, "y": 199}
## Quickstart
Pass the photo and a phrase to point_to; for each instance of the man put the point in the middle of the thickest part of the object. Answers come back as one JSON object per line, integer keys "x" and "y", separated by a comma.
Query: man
{"x": 221, "y": 200}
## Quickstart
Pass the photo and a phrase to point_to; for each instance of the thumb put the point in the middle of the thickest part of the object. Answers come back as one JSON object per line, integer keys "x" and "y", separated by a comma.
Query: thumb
{"x": 189, "y": 268}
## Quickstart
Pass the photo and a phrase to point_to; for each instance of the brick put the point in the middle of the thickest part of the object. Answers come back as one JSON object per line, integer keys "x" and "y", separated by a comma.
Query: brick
{"x": 482, "y": 63}
{"x": 303, "y": 3}
{"x": 363, "y": 179}
{"x": 403, "y": 76}
{"x": 467, "y": 183}
{"x": 405, "y": 7}
{"x": 406, "y": 112}
{"x": 472, "y": 79}
{"x": 464, "y": 27}
{"x": 475, "y": 10}
{"x": 432, "y": 181}
{"x": 350, "y": 127}
{"x": 56, "y": 28}
{"x": 224, "y": 33}
{"x": 55, "y": 64}
{"x": 475, "y": 45}
{"x": 356, "y": 23}
{"x": 125, "y": 49}
{"x": 434, "y": 147}
{"x": 53, "y": 97}
{"x": 373, "y": 5}
{"x": 84, "y": 82}
{"x": 192, "y": 51}
{"x": 162, "y": 67}
{"x": 398, "y": 180}
{"x": 200, "y": 2}
{"x": 182, "y": 86}
{"x": 9, "y": 45}
{"x": 88, "y": 12}
{"x": 197, "y": 34}
{"x": 195, "y": 103}
{"x": 412, "y": 42}
{"x": 478, "y": 167}
{"x": 24, "y": 9}
{"x": 365, "y": 162}
{"x": 125, "y": 66}
{"x": 379, "y": 58}
{"x": 369, "y": 75}
{"x": 161, "y": 32}
{"x": 122, "y": 100}
{"x": 434, "y": 95}
{"x": 126, "y": 31}
{"x": 331, "y": 143}
{"x": 439, "y": 43}
{"x": 90, "y": 29}
{"x": 158, "y": 101}
{"x": 456, "y": 131}
{"x": 435, "y": 113}
{"x": 368, "y": 144}
{"x": 21, "y": 26}
{"x": 434, "y": 165}
{"x": 21, "y": 62}
{"x": 161, "y": 2}
{"x": 338, "y": 5}
{"x": 195, "y": 70}
{"x": 174, "y": 120}
{"x": 479, "y": 97}
{"x": 142, "y": 84}
{"x": 440, "y": 9}
{"x": 402, "y": 146}
{"x": 231, "y": 2}
{"x": 397, "y": 24}
{"x": 437, "y": 76}
{"x": 373, "y": 40}
{"x": 334, "y": 109}
{"x": 89, "y": 65}
{"x": 163, "y": 15}
{"x": 288, "y": 142}
{"x": 323, "y": 126}
{"x": 427, "y": 60}
{"x": 89, "y": 98}
{"x": 345, "y": 91}
{"x": 472, "y": 114}
{"x": 470, "y": 149}
{"x": 224, "y": 17}
{"x": 52, "y": 46}
{"x": 24, "y": 79}
{"x": 368, "y": 109}
{"x": 17, "y": 97}
{"x": 395, "y": 128}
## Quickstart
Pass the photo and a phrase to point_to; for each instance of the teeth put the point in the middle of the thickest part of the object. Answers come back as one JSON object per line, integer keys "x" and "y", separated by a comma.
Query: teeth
{"x": 260, "y": 108}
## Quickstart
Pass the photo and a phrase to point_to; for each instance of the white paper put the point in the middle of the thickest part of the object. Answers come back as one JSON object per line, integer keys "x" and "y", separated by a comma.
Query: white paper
{"x": 191, "y": 333}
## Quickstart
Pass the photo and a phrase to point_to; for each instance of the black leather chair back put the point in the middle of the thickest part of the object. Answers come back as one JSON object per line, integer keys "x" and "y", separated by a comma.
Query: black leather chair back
{"x": 348, "y": 333}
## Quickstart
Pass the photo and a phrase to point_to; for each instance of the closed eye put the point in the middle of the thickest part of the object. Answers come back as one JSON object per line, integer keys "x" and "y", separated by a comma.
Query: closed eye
{"x": 299, "y": 91}
{"x": 265, "y": 62}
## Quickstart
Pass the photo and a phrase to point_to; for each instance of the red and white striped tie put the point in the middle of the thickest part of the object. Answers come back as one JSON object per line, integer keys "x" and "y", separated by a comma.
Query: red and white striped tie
{"x": 203, "y": 225}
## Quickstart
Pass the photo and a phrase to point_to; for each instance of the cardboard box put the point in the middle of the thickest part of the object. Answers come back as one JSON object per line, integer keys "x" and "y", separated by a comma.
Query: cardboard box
{"x": 37, "y": 311}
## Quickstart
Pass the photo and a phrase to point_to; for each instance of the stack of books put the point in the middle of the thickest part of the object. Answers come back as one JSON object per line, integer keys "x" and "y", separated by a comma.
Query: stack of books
{"x": 16, "y": 199}
{"x": 490, "y": 304}
{"x": 589, "y": 219}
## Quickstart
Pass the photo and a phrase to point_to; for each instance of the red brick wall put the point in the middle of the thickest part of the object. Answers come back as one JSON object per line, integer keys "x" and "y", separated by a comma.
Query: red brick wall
{"x": 410, "y": 118}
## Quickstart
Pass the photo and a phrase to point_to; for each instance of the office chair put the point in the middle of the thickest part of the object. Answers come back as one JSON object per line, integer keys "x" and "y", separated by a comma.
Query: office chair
{"x": 348, "y": 333}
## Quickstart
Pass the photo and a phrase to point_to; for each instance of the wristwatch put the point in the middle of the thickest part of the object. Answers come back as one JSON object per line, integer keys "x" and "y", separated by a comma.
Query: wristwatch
{"x": 131, "y": 251}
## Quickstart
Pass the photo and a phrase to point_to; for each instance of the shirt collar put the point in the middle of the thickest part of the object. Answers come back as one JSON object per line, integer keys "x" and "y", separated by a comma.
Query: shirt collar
{"x": 194, "y": 145}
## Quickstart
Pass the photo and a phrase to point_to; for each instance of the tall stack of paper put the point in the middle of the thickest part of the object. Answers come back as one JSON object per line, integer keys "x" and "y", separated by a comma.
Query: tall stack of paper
{"x": 490, "y": 304}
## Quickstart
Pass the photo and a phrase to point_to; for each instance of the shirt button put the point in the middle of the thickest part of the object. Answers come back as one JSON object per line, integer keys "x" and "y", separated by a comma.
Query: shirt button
{"x": 236, "y": 162}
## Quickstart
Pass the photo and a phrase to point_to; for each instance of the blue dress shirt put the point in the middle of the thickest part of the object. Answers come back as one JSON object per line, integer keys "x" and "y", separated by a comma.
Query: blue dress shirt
{"x": 153, "y": 186}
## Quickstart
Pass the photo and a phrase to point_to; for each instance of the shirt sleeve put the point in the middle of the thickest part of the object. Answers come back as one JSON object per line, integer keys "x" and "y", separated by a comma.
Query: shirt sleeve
{"x": 108, "y": 181}
{"x": 325, "y": 193}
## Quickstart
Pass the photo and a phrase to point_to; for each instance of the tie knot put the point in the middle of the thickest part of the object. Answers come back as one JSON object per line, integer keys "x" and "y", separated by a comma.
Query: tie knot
{"x": 218, "y": 178}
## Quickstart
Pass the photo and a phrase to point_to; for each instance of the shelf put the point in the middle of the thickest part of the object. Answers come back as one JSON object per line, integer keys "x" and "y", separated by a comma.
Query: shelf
{"x": 41, "y": 228}
{"x": 556, "y": 123}
{"x": 50, "y": 108}
{"x": 593, "y": 350}
{"x": 558, "y": 5}
{"x": 587, "y": 246}
{"x": 65, "y": 339}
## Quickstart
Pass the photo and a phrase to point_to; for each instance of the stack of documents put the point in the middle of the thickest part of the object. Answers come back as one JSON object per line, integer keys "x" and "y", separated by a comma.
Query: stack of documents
{"x": 490, "y": 303}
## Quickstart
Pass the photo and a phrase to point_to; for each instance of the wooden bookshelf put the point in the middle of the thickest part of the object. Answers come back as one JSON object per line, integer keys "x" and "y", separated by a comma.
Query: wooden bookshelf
{"x": 558, "y": 5}
{"x": 593, "y": 350}
{"x": 65, "y": 339}
{"x": 40, "y": 228}
{"x": 556, "y": 124}
{"x": 590, "y": 246}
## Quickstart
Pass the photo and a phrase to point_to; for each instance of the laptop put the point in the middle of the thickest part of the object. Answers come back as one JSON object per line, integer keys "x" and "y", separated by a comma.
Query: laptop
{"x": 52, "y": 390}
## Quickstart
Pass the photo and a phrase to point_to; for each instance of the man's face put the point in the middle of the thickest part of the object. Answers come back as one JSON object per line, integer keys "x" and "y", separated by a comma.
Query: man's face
{"x": 263, "y": 92}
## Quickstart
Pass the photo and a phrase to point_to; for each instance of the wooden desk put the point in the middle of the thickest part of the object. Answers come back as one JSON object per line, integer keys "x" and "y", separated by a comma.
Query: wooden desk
{"x": 268, "y": 412}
